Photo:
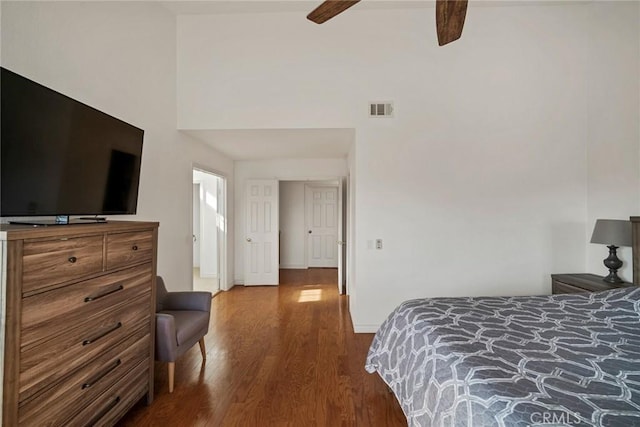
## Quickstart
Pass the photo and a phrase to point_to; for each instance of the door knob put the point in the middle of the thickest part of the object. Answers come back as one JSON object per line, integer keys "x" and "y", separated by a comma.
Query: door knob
{"x": 309, "y": 231}
{"x": 248, "y": 239}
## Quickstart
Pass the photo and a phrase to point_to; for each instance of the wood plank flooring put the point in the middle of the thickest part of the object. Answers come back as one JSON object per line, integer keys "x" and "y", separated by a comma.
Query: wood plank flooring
{"x": 276, "y": 356}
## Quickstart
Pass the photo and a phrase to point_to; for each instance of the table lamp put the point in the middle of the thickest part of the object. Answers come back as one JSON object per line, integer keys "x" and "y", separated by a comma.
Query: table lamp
{"x": 613, "y": 233}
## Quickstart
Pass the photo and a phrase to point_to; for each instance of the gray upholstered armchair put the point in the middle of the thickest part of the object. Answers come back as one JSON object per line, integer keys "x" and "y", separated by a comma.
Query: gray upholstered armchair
{"x": 182, "y": 319}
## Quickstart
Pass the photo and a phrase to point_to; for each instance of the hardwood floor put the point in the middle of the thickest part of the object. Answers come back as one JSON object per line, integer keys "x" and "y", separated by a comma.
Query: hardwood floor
{"x": 276, "y": 356}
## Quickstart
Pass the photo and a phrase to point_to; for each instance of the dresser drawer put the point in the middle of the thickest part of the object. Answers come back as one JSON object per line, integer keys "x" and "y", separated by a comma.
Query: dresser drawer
{"x": 564, "y": 288}
{"x": 57, "y": 404}
{"x": 111, "y": 405}
{"x": 51, "y": 360}
{"x": 48, "y": 262}
{"x": 48, "y": 314}
{"x": 129, "y": 248}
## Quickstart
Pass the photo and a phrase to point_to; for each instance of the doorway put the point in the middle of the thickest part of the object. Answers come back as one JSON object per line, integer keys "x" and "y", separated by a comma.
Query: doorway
{"x": 209, "y": 230}
{"x": 312, "y": 226}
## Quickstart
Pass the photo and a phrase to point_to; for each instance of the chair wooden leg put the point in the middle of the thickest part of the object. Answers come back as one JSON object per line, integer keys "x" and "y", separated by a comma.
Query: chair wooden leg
{"x": 202, "y": 349}
{"x": 172, "y": 367}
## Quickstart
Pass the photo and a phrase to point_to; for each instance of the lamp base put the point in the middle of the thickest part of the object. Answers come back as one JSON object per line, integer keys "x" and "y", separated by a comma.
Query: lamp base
{"x": 613, "y": 278}
{"x": 613, "y": 263}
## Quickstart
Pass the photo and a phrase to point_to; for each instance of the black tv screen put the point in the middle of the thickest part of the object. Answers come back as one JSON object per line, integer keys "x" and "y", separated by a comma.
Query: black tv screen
{"x": 59, "y": 156}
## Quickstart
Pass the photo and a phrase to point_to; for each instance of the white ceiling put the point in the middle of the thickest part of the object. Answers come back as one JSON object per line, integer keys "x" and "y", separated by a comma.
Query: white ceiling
{"x": 258, "y": 144}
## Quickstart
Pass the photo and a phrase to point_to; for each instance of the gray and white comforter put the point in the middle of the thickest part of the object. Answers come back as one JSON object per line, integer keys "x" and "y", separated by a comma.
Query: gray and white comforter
{"x": 514, "y": 361}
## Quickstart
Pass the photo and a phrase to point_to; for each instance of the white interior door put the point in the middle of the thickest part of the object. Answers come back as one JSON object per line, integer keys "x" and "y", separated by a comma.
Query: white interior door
{"x": 322, "y": 226}
{"x": 209, "y": 228}
{"x": 196, "y": 224}
{"x": 261, "y": 240}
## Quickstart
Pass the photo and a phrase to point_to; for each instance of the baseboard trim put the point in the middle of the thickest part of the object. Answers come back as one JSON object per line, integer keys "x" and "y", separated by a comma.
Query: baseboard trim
{"x": 228, "y": 287}
{"x": 293, "y": 266}
{"x": 239, "y": 282}
{"x": 365, "y": 329}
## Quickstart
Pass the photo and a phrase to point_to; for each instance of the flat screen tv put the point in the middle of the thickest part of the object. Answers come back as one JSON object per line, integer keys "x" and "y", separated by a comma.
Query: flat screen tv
{"x": 60, "y": 157}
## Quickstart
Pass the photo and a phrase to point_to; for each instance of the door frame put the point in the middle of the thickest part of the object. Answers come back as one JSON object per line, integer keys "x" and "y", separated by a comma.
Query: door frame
{"x": 223, "y": 229}
{"x": 344, "y": 213}
{"x": 343, "y": 228}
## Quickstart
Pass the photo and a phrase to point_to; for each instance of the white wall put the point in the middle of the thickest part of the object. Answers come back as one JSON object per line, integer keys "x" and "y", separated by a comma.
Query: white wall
{"x": 613, "y": 149}
{"x": 484, "y": 182}
{"x": 283, "y": 170}
{"x": 120, "y": 57}
{"x": 292, "y": 225}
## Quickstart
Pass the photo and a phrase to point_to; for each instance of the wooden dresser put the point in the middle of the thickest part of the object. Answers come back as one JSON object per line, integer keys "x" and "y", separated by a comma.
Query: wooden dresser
{"x": 79, "y": 314}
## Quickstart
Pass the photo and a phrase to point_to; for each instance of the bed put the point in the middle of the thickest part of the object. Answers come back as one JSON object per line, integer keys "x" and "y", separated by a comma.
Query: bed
{"x": 514, "y": 361}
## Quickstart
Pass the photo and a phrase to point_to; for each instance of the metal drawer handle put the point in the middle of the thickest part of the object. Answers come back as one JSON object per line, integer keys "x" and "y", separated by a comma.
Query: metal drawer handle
{"x": 104, "y": 412}
{"x": 72, "y": 259}
{"x": 102, "y": 374}
{"x": 107, "y": 332}
{"x": 134, "y": 247}
{"x": 112, "y": 291}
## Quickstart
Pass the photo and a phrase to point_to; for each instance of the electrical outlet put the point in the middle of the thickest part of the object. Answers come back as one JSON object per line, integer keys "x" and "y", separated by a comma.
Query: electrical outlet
{"x": 378, "y": 243}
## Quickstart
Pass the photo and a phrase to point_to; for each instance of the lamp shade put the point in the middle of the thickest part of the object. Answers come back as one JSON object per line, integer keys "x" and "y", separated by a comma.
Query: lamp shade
{"x": 612, "y": 232}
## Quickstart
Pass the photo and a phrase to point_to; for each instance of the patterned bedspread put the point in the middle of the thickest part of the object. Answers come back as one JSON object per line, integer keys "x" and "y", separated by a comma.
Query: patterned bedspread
{"x": 514, "y": 361}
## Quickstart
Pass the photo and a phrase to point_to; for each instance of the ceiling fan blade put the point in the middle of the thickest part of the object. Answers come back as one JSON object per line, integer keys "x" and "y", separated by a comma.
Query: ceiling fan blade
{"x": 328, "y": 9}
{"x": 450, "y": 16}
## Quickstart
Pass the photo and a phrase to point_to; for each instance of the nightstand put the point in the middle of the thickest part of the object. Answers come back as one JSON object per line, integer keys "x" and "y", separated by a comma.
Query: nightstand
{"x": 582, "y": 282}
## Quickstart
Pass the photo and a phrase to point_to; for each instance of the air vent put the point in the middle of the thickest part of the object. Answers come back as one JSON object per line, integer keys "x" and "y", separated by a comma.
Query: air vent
{"x": 381, "y": 109}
